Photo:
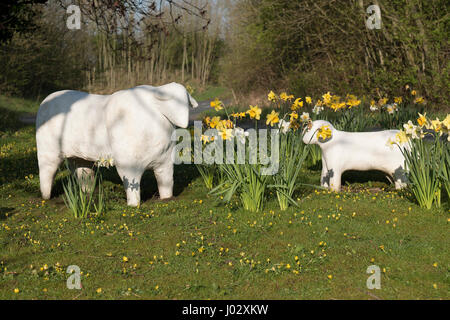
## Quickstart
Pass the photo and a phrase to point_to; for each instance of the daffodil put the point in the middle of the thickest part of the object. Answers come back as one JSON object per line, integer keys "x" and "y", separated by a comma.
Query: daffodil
{"x": 436, "y": 125}
{"x": 411, "y": 129}
{"x": 205, "y": 139}
{"x": 304, "y": 117}
{"x": 398, "y": 100}
{"x": 324, "y": 133}
{"x": 285, "y": 97}
{"x": 272, "y": 118}
{"x": 254, "y": 112}
{"x": 226, "y": 134}
{"x": 298, "y": 103}
{"x": 401, "y": 137}
{"x": 391, "y": 108}
{"x": 293, "y": 116}
{"x": 214, "y": 122}
{"x": 216, "y": 104}
{"x": 284, "y": 125}
{"x": 382, "y": 101}
{"x": 413, "y": 93}
{"x": 327, "y": 98}
{"x": 272, "y": 96}
{"x": 317, "y": 109}
{"x": 422, "y": 120}
{"x": 373, "y": 106}
{"x": 308, "y": 100}
{"x": 419, "y": 100}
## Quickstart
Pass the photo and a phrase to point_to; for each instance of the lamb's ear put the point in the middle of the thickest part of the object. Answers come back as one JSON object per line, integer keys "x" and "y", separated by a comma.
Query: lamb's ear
{"x": 173, "y": 104}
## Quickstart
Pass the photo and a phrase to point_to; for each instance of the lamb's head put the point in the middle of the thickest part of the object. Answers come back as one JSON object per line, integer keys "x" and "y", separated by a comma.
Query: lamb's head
{"x": 318, "y": 132}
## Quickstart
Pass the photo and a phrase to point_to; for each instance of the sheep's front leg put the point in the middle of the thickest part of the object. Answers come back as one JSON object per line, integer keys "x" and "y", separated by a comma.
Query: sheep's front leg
{"x": 131, "y": 178}
{"x": 400, "y": 179}
{"x": 335, "y": 179}
{"x": 324, "y": 177}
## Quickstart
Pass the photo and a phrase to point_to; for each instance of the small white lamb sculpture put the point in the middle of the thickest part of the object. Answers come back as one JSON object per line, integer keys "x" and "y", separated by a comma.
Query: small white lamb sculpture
{"x": 362, "y": 151}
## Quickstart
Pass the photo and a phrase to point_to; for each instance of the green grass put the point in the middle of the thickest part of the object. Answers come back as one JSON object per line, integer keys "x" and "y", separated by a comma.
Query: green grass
{"x": 196, "y": 247}
{"x": 211, "y": 92}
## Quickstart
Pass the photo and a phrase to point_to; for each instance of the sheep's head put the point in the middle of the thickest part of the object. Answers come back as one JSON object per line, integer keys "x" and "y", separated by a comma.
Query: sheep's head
{"x": 318, "y": 132}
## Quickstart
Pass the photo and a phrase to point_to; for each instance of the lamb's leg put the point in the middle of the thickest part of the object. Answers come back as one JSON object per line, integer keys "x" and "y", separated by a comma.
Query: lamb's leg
{"x": 335, "y": 179}
{"x": 131, "y": 178}
{"x": 400, "y": 179}
{"x": 164, "y": 177}
{"x": 48, "y": 165}
{"x": 324, "y": 177}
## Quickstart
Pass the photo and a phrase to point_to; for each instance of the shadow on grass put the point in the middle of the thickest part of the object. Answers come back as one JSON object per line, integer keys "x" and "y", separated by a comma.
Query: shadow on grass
{"x": 183, "y": 176}
{"x": 9, "y": 121}
{"x": 4, "y": 212}
{"x": 373, "y": 176}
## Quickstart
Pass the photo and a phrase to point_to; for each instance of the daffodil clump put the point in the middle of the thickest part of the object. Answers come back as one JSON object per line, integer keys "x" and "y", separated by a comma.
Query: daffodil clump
{"x": 350, "y": 113}
{"x": 247, "y": 179}
{"x": 427, "y": 160}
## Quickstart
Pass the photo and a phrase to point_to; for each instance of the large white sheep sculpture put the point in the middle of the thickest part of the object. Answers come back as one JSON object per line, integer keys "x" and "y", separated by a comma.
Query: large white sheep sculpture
{"x": 133, "y": 127}
{"x": 361, "y": 151}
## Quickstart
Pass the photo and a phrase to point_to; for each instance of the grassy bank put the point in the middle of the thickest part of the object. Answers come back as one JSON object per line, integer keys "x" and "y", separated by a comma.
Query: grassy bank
{"x": 196, "y": 247}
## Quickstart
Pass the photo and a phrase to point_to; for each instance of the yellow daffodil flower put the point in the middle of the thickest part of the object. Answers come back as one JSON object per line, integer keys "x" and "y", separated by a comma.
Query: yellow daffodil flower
{"x": 272, "y": 96}
{"x": 422, "y": 120}
{"x": 216, "y": 104}
{"x": 398, "y": 100}
{"x": 254, "y": 112}
{"x": 214, "y": 122}
{"x": 272, "y": 118}
{"x": 324, "y": 133}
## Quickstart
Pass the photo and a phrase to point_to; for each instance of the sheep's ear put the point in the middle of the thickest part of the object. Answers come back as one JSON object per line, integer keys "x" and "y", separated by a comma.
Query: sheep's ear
{"x": 173, "y": 102}
{"x": 194, "y": 103}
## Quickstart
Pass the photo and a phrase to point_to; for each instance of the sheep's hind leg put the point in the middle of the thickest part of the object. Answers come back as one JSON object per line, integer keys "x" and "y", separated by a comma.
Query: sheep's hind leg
{"x": 164, "y": 178}
{"x": 47, "y": 170}
{"x": 84, "y": 173}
